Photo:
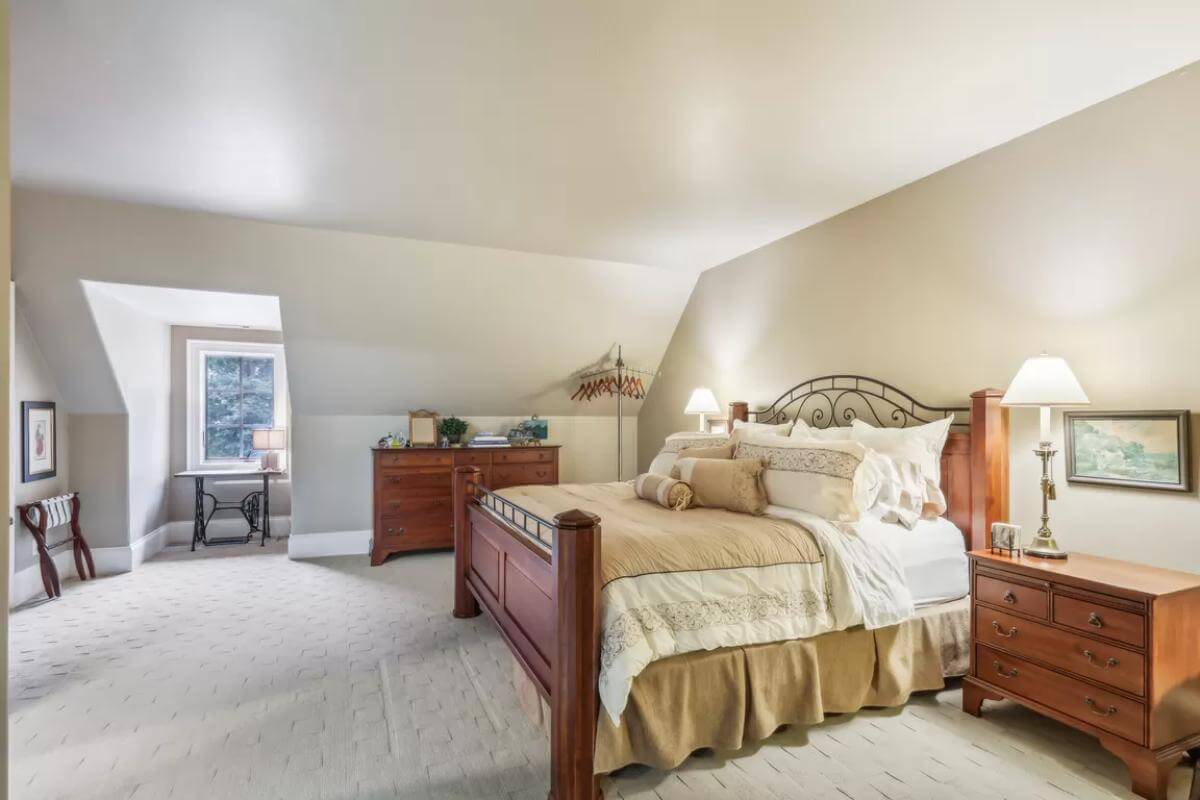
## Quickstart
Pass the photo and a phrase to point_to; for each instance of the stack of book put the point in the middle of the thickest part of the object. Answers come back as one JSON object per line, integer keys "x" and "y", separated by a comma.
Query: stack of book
{"x": 484, "y": 439}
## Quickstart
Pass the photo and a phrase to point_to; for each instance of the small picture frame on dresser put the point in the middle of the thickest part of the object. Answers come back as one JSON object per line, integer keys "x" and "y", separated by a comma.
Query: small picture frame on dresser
{"x": 1006, "y": 539}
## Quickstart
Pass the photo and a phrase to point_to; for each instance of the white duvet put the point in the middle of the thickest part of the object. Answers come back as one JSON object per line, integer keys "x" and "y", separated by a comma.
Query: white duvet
{"x": 858, "y": 582}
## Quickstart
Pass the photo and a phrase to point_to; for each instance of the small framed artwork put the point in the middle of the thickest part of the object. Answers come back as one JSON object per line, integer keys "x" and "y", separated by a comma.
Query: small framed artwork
{"x": 1006, "y": 538}
{"x": 1142, "y": 449}
{"x": 39, "y": 438}
{"x": 718, "y": 426}
{"x": 422, "y": 428}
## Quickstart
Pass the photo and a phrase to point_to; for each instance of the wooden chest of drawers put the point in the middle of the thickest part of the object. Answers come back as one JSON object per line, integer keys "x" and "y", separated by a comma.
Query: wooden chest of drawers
{"x": 413, "y": 509}
{"x": 1108, "y": 647}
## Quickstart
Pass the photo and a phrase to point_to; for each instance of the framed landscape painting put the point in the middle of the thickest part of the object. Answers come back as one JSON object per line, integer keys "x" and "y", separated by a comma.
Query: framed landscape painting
{"x": 1144, "y": 449}
{"x": 39, "y": 436}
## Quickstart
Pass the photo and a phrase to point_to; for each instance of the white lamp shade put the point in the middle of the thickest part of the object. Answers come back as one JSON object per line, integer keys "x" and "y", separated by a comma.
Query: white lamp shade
{"x": 1045, "y": 381}
{"x": 270, "y": 439}
{"x": 703, "y": 401}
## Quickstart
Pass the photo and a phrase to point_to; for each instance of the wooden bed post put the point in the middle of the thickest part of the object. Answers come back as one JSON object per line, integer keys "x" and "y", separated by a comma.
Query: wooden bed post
{"x": 738, "y": 410}
{"x": 575, "y": 665}
{"x": 989, "y": 465}
{"x": 465, "y": 605}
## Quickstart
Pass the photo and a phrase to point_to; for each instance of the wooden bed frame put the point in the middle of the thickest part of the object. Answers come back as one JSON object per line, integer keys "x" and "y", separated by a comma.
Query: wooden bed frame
{"x": 545, "y": 599}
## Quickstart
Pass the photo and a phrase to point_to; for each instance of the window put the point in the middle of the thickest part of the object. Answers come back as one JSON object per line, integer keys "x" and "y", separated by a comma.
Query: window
{"x": 233, "y": 389}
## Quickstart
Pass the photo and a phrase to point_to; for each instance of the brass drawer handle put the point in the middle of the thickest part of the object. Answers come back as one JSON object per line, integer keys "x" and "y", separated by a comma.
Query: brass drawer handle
{"x": 1095, "y": 621}
{"x": 1009, "y": 597}
{"x": 395, "y": 530}
{"x": 1000, "y": 632}
{"x": 1012, "y": 673}
{"x": 1099, "y": 712}
{"x": 1091, "y": 657}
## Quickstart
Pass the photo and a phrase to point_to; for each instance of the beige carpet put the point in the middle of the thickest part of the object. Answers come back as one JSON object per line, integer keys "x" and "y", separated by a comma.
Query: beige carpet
{"x": 236, "y": 673}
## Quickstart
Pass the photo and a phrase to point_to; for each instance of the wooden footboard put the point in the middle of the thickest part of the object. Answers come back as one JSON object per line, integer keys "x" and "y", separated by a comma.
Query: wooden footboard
{"x": 545, "y": 600}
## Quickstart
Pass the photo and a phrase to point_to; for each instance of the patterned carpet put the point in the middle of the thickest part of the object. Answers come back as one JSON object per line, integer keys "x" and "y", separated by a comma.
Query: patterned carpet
{"x": 237, "y": 673}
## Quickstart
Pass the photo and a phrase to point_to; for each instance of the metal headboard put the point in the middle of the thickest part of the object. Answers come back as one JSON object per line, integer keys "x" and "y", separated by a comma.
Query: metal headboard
{"x": 838, "y": 400}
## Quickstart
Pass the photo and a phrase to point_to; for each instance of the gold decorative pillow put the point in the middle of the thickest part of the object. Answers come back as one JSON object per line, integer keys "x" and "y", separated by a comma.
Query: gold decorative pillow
{"x": 734, "y": 484}
{"x": 667, "y": 492}
{"x": 721, "y": 451}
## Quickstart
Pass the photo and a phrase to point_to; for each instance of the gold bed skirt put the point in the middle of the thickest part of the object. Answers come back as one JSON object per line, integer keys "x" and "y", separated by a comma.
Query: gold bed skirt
{"x": 725, "y": 699}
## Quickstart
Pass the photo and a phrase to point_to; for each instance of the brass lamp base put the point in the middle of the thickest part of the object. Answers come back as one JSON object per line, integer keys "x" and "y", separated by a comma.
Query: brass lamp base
{"x": 1043, "y": 544}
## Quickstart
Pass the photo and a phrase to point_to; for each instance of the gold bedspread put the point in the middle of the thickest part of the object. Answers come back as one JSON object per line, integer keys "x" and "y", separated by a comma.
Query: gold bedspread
{"x": 728, "y": 698}
{"x": 639, "y": 537}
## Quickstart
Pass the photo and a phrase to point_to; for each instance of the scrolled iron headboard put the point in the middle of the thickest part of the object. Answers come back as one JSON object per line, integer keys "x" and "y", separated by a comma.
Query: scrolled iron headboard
{"x": 838, "y": 400}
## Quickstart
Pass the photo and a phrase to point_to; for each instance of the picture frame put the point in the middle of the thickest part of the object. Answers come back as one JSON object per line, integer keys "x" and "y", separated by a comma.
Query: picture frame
{"x": 1138, "y": 449}
{"x": 422, "y": 428}
{"x": 717, "y": 425}
{"x": 1006, "y": 538}
{"x": 39, "y": 440}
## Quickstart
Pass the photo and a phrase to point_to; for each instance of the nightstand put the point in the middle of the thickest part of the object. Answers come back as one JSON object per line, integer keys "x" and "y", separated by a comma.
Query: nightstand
{"x": 1108, "y": 647}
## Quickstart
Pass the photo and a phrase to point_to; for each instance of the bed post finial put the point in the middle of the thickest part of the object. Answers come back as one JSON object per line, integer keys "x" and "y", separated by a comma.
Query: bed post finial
{"x": 738, "y": 410}
{"x": 575, "y": 663}
{"x": 989, "y": 465}
{"x": 465, "y": 605}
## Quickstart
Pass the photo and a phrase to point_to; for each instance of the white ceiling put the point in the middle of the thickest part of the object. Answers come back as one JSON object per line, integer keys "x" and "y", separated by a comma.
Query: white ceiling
{"x": 675, "y": 134}
{"x": 198, "y": 308}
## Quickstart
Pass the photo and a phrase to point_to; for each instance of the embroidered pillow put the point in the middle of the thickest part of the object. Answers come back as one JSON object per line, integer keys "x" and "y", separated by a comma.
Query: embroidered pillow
{"x": 667, "y": 492}
{"x": 837, "y": 480}
{"x": 921, "y": 445}
{"x": 662, "y": 463}
{"x": 734, "y": 484}
{"x": 724, "y": 451}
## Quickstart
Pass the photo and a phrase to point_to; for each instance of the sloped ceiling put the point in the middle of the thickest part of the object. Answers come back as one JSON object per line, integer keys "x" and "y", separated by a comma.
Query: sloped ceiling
{"x": 372, "y": 325}
{"x": 678, "y": 133}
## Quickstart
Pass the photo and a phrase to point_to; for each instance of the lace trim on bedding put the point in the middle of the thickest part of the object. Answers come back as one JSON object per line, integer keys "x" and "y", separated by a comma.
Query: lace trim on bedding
{"x": 632, "y": 626}
{"x": 833, "y": 463}
{"x": 680, "y": 443}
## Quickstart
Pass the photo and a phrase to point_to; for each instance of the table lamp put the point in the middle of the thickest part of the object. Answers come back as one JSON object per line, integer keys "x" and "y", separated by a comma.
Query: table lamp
{"x": 270, "y": 441}
{"x": 702, "y": 402}
{"x": 1047, "y": 382}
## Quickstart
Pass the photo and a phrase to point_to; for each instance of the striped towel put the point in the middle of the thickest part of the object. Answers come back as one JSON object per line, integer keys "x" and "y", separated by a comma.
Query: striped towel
{"x": 57, "y": 510}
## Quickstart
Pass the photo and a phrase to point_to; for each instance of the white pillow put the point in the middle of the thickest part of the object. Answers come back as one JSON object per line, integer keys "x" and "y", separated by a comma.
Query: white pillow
{"x": 908, "y": 495}
{"x": 836, "y": 480}
{"x": 756, "y": 428}
{"x": 662, "y": 463}
{"x": 921, "y": 445}
{"x": 802, "y": 430}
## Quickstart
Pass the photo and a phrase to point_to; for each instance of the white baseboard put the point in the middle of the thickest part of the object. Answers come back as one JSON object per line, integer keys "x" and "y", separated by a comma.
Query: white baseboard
{"x": 334, "y": 543}
{"x": 180, "y": 531}
{"x": 26, "y": 584}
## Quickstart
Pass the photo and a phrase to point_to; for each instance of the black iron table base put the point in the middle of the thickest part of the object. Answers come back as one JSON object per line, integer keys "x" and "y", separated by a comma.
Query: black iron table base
{"x": 255, "y": 508}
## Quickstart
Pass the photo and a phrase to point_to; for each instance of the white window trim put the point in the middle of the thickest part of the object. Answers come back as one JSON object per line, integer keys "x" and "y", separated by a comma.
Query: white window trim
{"x": 197, "y": 349}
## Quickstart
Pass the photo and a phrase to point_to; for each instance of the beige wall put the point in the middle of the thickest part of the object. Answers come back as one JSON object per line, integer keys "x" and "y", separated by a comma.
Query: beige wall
{"x": 5, "y": 397}
{"x": 1081, "y": 238}
{"x": 182, "y": 493}
{"x": 137, "y": 348}
{"x": 32, "y": 380}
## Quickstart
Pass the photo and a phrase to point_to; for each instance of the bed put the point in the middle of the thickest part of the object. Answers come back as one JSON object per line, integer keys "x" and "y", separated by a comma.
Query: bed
{"x": 532, "y": 559}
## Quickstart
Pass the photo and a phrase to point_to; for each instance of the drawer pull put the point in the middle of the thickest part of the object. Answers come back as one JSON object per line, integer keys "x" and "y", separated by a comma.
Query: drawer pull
{"x": 395, "y": 530}
{"x": 1091, "y": 657}
{"x": 1099, "y": 712}
{"x": 1095, "y": 621}
{"x": 1012, "y": 673}
{"x": 1000, "y": 631}
{"x": 1009, "y": 597}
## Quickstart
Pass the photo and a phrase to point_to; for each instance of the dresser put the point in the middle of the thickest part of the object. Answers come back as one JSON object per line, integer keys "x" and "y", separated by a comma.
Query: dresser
{"x": 1105, "y": 646}
{"x": 413, "y": 508}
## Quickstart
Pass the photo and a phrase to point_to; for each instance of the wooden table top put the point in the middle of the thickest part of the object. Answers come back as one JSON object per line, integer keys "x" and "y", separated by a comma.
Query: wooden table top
{"x": 228, "y": 473}
{"x": 1082, "y": 567}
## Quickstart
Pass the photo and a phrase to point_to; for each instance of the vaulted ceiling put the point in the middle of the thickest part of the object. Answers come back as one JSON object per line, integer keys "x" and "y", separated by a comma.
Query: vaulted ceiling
{"x": 675, "y": 134}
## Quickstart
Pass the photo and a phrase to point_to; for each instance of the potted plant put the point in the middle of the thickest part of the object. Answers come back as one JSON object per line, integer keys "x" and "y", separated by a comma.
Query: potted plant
{"x": 453, "y": 429}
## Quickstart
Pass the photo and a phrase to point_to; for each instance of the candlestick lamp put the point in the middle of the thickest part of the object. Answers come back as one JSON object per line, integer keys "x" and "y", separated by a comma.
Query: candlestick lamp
{"x": 1047, "y": 382}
